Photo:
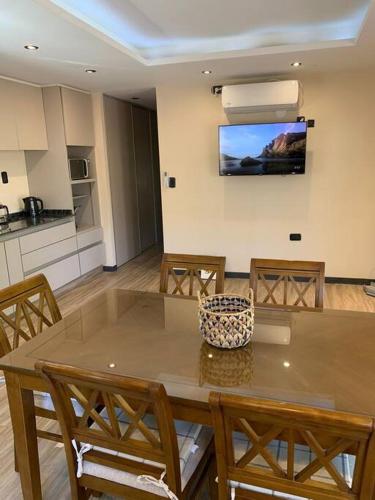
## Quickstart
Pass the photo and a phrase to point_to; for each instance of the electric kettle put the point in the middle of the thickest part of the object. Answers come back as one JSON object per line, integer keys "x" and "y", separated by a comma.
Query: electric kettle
{"x": 4, "y": 213}
{"x": 33, "y": 206}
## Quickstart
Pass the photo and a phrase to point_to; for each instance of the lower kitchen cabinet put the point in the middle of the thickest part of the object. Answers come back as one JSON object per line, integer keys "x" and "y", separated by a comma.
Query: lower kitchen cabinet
{"x": 62, "y": 272}
{"x": 89, "y": 237}
{"x": 46, "y": 237}
{"x": 91, "y": 258}
{"x": 57, "y": 252}
{"x": 48, "y": 254}
{"x": 14, "y": 260}
{"x": 4, "y": 278}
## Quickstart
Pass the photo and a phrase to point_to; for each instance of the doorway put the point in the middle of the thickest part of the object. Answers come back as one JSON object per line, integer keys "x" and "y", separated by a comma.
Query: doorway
{"x": 146, "y": 158}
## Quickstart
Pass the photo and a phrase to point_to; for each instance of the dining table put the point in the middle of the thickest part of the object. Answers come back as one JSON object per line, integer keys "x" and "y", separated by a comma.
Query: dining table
{"x": 322, "y": 359}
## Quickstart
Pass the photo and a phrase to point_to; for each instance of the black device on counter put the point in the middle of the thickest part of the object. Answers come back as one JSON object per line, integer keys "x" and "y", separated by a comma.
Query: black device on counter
{"x": 33, "y": 206}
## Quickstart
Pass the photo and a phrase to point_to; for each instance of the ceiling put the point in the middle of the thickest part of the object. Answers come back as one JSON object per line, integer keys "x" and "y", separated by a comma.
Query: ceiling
{"x": 164, "y": 31}
{"x": 136, "y": 45}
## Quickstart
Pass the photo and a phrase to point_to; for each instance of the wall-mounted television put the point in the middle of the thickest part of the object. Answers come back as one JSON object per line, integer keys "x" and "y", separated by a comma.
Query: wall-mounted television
{"x": 263, "y": 148}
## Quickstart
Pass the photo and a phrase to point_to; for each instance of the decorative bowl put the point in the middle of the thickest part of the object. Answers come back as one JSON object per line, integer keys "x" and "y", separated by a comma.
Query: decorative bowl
{"x": 226, "y": 320}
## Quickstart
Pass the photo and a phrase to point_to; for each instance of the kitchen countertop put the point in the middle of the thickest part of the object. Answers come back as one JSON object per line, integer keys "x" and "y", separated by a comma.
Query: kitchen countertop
{"x": 20, "y": 225}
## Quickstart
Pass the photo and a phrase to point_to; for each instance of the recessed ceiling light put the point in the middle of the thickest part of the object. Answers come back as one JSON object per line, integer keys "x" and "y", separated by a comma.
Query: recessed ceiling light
{"x": 31, "y": 47}
{"x": 296, "y": 64}
{"x": 206, "y": 72}
{"x": 90, "y": 70}
{"x": 286, "y": 364}
{"x": 112, "y": 365}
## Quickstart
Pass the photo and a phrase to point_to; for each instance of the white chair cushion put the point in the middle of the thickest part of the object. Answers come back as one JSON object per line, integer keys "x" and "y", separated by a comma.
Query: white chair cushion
{"x": 192, "y": 439}
{"x": 344, "y": 463}
{"x": 44, "y": 400}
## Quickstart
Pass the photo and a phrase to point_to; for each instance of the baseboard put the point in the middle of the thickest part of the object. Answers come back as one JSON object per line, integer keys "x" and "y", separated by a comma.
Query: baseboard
{"x": 328, "y": 279}
{"x": 110, "y": 269}
{"x": 244, "y": 276}
{"x": 348, "y": 281}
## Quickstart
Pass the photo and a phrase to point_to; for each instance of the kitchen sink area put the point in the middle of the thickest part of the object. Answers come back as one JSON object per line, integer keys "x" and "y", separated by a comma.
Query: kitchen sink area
{"x": 22, "y": 222}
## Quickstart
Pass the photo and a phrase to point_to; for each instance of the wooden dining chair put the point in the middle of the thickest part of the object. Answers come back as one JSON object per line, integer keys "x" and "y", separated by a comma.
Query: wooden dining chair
{"x": 26, "y": 309}
{"x": 267, "y": 447}
{"x": 132, "y": 447}
{"x": 187, "y": 269}
{"x": 287, "y": 284}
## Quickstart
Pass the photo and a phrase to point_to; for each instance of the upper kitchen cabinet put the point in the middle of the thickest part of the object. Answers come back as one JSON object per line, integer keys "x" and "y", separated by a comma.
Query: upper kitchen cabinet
{"x": 30, "y": 120}
{"x": 8, "y": 127}
{"x": 78, "y": 118}
{"x": 22, "y": 121}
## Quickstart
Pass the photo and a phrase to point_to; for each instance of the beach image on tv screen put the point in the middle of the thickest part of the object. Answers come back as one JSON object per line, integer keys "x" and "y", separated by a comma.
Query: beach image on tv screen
{"x": 262, "y": 149}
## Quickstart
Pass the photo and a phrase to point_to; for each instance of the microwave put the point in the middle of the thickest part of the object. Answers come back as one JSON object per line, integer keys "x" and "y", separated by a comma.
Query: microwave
{"x": 79, "y": 168}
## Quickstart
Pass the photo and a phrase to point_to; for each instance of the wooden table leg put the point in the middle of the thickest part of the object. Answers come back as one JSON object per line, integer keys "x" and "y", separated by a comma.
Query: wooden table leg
{"x": 22, "y": 412}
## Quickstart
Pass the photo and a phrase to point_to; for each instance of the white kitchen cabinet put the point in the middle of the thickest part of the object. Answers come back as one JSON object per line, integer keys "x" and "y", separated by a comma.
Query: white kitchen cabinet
{"x": 43, "y": 256}
{"x": 22, "y": 121}
{"x": 78, "y": 118}
{"x": 13, "y": 256}
{"x": 57, "y": 252}
{"x": 91, "y": 258}
{"x": 8, "y": 127}
{"x": 62, "y": 272}
{"x": 39, "y": 239}
{"x": 89, "y": 237}
{"x": 30, "y": 119}
{"x": 4, "y": 278}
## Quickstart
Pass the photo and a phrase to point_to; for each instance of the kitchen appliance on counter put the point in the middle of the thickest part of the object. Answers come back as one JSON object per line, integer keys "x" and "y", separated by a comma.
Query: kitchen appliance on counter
{"x": 79, "y": 168}
{"x": 4, "y": 214}
{"x": 33, "y": 206}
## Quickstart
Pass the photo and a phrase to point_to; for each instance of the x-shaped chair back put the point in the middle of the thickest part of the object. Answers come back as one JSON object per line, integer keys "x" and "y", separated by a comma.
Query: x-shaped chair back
{"x": 287, "y": 284}
{"x": 26, "y": 308}
{"x": 326, "y": 433}
{"x": 185, "y": 273}
{"x": 107, "y": 401}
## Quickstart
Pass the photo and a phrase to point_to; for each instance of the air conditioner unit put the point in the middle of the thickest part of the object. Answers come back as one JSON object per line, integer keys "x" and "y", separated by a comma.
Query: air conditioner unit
{"x": 258, "y": 97}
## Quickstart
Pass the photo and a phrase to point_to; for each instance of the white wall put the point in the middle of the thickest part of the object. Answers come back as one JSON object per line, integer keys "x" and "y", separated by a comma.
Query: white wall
{"x": 11, "y": 194}
{"x": 332, "y": 205}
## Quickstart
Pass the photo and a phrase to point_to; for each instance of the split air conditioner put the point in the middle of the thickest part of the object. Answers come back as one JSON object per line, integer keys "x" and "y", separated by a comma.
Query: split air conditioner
{"x": 258, "y": 97}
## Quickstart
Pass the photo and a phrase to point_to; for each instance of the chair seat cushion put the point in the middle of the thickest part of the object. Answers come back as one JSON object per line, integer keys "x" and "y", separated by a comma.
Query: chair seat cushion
{"x": 192, "y": 439}
{"x": 44, "y": 400}
{"x": 303, "y": 456}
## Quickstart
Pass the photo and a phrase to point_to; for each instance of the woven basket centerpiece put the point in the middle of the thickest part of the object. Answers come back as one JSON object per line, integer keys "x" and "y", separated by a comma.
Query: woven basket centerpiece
{"x": 226, "y": 320}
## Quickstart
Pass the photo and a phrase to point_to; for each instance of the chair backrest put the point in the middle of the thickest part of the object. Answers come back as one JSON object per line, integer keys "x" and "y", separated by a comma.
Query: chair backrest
{"x": 320, "y": 434}
{"x": 115, "y": 395}
{"x": 189, "y": 269}
{"x": 25, "y": 309}
{"x": 287, "y": 284}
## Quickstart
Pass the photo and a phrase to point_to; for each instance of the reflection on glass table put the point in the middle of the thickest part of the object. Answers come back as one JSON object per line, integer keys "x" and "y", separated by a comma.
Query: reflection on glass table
{"x": 226, "y": 368}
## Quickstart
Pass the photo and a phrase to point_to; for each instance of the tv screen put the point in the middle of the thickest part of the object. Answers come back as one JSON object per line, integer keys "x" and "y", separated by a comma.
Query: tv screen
{"x": 263, "y": 148}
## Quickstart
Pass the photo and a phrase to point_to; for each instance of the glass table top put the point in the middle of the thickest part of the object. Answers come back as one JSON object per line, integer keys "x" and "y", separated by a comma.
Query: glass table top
{"x": 323, "y": 359}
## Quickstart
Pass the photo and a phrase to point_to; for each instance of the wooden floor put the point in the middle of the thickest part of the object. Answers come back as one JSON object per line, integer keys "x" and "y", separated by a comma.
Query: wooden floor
{"x": 140, "y": 274}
